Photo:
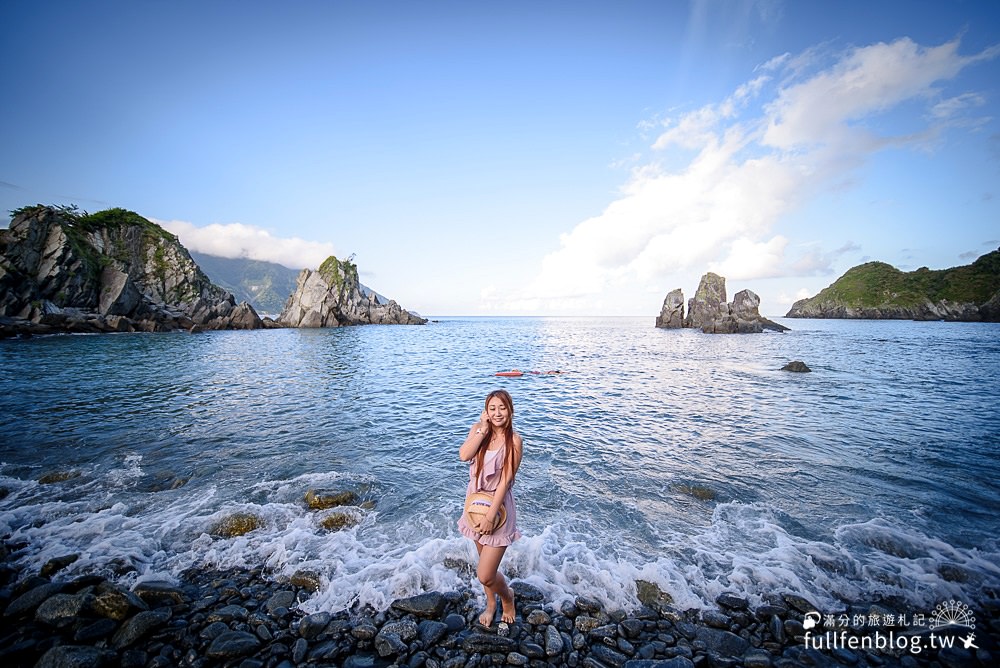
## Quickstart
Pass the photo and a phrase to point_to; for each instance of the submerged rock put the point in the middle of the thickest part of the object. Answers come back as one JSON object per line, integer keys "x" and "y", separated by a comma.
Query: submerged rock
{"x": 321, "y": 499}
{"x": 796, "y": 367}
{"x": 237, "y": 524}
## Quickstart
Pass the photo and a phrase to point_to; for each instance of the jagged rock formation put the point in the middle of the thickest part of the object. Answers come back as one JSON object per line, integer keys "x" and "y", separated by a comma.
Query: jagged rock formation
{"x": 333, "y": 297}
{"x": 709, "y": 311}
{"x": 879, "y": 291}
{"x": 672, "y": 314}
{"x": 112, "y": 271}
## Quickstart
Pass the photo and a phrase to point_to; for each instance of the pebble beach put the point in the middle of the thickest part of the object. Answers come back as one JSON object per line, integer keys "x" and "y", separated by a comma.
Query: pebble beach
{"x": 246, "y": 619}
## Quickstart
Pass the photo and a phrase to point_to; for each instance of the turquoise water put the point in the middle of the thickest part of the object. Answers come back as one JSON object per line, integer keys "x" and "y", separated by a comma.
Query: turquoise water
{"x": 675, "y": 457}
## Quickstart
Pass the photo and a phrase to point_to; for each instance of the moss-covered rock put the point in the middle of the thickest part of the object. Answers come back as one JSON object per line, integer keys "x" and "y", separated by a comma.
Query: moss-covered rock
{"x": 323, "y": 499}
{"x": 651, "y": 595}
{"x": 338, "y": 520}
{"x": 237, "y": 524}
{"x": 58, "y": 476}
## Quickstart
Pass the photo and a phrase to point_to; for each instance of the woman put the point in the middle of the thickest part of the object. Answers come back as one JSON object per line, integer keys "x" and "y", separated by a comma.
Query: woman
{"x": 494, "y": 450}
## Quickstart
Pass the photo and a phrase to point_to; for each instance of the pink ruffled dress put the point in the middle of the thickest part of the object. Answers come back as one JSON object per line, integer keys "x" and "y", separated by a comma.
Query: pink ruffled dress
{"x": 487, "y": 482}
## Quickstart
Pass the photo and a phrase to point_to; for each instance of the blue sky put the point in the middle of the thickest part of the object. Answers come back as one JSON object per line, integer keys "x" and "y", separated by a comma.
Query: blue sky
{"x": 550, "y": 158}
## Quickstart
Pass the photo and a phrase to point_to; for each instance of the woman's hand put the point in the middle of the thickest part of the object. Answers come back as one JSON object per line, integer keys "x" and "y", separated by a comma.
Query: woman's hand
{"x": 486, "y": 524}
{"x": 484, "y": 421}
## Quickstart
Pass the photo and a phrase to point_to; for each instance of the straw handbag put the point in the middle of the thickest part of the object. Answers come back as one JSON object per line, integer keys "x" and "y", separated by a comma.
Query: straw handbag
{"x": 476, "y": 507}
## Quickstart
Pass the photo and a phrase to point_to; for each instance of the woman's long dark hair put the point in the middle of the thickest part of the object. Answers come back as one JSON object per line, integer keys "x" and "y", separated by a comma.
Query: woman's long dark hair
{"x": 508, "y": 455}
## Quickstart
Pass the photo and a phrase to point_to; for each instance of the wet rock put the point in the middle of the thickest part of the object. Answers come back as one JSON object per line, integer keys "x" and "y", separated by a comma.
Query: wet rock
{"x": 721, "y": 642}
{"x": 233, "y": 644}
{"x": 538, "y": 618}
{"x": 715, "y": 619}
{"x": 757, "y": 659}
{"x": 586, "y": 623}
{"x": 229, "y": 613}
{"x": 630, "y": 628}
{"x": 799, "y": 603}
{"x": 139, "y": 626}
{"x": 213, "y": 630}
{"x": 338, "y": 521}
{"x": 237, "y": 524}
{"x": 312, "y": 625}
{"x": 115, "y": 603}
{"x": 517, "y": 659}
{"x": 732, "y": 601}
{"x": 58, "y": 476}
{"x": 525, "y": 592}
{"x": 364, "y": 631}
{"x": 157, "y": 593}
{"x": 454, "y": 622}
{"x": 322, "y": 499}
{"x": 429, "y": 605}
{"x": 73, "y": 656}
{"x": 553, "y": 641}
{"x": 650, "y": 594}
{"x": 281, "y": 599}
{"x": 29, "y": 601}
{"x": 53, "y": 566}
{"x": 299, "y": 650}
{"x": 796, "y": 367}
{"x": 91, "y": 633}
{"x": 308, "y": 580}
{"x": 406, "y": 629}
{"x": 62, "y": 609}
{"x": 430, "y": 632}
{"x": 487, "y": 643}
{"x": 388, "y": 644}
{"x": 608, "y": 656}
{"x": 587, "y": 604}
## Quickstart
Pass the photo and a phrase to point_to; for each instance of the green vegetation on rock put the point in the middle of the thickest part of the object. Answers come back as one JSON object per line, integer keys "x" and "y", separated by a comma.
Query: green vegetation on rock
{"x": 337, "y": 272}
{"x": 877, "y": 289}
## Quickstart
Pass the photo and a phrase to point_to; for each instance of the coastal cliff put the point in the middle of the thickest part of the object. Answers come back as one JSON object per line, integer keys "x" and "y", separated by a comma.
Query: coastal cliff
{"x": 709, "y": 311}
{"x": 111, "y": 271}
{"x": 879, "y": 291}
{"x": 333, "y": 297}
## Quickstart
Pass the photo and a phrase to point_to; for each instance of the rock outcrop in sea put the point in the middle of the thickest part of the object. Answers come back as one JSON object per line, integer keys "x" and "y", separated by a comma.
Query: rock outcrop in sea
{"x": 333, "y": 297}
{"x": 709, "y": 311}
{"x": 111, "y": 271}
{"x": 879, "y": 291}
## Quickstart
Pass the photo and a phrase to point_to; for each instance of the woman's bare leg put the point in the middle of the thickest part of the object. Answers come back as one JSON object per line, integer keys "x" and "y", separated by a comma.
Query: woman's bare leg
{"x": 494, "y": 584}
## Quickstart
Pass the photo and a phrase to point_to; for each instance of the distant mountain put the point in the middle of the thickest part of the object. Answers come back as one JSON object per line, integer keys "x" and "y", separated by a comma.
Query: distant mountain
{"x": 878, "y": 291}
{"x": 266, "y": 285}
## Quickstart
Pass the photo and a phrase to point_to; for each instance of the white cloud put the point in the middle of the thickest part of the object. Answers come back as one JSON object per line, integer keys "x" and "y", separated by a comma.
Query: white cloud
{"x": 953, "y": 106}
{"x": 758, "y": 154}
{"x": 236, "y": 240}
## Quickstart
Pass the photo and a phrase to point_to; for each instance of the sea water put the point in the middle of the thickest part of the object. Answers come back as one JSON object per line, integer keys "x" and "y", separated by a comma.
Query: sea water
{"x": 675, "y": 457}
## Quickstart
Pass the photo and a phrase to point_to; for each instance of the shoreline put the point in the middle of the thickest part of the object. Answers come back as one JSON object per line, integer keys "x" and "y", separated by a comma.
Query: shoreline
{"x": 243, "y": 618}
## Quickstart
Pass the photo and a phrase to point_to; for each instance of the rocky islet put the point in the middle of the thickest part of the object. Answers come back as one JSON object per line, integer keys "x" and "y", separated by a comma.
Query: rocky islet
{"x": 62, "y": 271}
{"x": 709, "y": 311}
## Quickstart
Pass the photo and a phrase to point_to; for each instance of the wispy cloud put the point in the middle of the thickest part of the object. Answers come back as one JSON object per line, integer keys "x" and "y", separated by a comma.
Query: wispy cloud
{"x": 236, "y": 240}
{"x": 803, "y": 123}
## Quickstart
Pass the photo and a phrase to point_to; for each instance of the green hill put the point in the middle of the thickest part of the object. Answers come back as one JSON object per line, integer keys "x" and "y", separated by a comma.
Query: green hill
{"x": 266, "y": 285}
{"x": 877, "y": 290}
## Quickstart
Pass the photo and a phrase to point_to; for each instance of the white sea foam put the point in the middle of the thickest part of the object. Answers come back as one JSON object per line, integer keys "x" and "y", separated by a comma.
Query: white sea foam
{"x": 744, "y": 550}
